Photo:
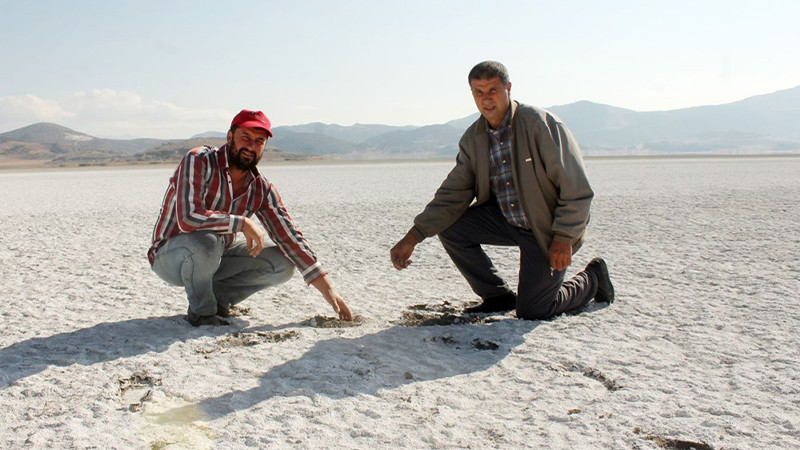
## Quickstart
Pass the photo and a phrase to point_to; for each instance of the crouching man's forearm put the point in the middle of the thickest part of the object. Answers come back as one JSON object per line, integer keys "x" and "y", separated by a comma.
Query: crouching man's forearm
{"x": 324, "y": 286}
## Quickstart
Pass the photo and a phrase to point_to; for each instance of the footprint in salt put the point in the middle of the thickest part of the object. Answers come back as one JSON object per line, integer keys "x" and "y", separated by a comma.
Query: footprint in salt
{"x": 137, "y": 389}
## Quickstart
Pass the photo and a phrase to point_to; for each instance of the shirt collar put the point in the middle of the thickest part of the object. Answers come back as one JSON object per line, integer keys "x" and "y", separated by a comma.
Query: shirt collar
{"x": 223, "y": 155}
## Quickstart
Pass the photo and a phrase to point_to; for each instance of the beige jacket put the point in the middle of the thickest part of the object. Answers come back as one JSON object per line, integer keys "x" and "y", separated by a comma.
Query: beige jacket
{"x": 548, "y": 172}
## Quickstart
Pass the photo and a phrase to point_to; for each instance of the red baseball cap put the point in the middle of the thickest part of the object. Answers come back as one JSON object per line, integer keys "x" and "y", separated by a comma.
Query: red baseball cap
{"x": 252, "y": 119}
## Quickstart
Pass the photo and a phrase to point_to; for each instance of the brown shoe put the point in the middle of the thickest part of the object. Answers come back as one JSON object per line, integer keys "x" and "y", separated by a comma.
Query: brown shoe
{"x": 196, "y": 319}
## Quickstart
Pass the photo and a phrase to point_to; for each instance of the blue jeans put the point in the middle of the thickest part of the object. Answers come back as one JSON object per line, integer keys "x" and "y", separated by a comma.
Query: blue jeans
{"x": 213, "y": 274}
{"x": 542, "y": 294}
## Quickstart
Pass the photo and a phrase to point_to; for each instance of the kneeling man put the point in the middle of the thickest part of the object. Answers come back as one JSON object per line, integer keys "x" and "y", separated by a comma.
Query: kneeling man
{"x": 524, "y": 171}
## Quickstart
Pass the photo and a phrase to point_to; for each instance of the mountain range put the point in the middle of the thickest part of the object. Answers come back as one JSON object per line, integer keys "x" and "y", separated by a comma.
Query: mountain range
{"x": 762, "y": 124}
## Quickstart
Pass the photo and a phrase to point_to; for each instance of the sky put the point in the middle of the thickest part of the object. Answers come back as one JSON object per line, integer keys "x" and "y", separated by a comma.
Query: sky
{"x": 173, "y": 69}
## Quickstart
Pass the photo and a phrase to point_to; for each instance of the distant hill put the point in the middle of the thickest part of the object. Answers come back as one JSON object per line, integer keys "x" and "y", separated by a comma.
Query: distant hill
{"x": 354, "y": 133}
{"x": 427, "y": 141}
{"x": 48, "y": 143}
{"x": 209, "y": 134}
{"x": 45, "y": 133}
{"x": 175, "y": 150}
{"x": 464, "y": 122}
{"x": 312, "y": 143}
{"x": 55, "y": 145}
{"x": 761, "y": 124}
{"x": 46, "y": 139}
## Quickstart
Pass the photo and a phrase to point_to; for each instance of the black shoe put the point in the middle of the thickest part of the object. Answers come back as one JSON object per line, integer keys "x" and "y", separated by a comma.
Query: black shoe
{"x": 196, "y": 320}
{"x": 502, "y": 303}
{"x": 605, "y": 290}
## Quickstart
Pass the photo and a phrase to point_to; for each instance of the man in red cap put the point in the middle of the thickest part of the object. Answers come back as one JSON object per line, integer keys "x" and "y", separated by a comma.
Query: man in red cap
{"x": 212, "y": 195}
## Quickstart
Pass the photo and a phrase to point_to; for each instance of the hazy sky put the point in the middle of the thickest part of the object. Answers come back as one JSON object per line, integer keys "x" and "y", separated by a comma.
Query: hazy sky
{"x": 174, "y": 68}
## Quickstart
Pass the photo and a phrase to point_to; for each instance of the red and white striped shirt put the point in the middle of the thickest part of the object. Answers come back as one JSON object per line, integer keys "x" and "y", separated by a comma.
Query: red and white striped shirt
{"x": 200, "y": 198}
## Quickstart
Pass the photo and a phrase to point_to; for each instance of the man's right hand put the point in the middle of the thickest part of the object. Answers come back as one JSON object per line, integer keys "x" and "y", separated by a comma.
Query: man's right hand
{"x": 254, "y": 236}
{"x": 401, "y": 252}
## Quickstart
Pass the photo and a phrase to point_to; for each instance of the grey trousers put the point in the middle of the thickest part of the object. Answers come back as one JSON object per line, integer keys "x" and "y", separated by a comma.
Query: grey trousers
{"x": 541, "y": 295}
{"x": 212, "y": 274}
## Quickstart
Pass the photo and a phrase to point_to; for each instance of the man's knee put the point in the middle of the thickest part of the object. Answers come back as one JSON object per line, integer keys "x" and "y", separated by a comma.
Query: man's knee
{"x": 198, "y": 246}
{"x": 284, "y": 272}
{"x": 452, "y": 235}
{"x": 536, "y": 309}
{"x": 204, "y": 254}
{"x": 277, "y": 267}
{"x": 186, "y": 255}
{"x": 446, "y": 236}
{"x": 204, "y": 244}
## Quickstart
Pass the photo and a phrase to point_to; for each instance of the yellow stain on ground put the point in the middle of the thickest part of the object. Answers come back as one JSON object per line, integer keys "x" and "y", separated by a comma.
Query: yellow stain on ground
{"x": 172, "y": 424}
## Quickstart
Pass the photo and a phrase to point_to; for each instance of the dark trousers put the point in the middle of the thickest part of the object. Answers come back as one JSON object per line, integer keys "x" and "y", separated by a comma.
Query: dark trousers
{"x": 541, "y": 295}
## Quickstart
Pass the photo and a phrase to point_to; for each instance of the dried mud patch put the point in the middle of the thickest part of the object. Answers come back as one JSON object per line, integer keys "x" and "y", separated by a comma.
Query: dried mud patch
{"x": 250, "y": 338}
{"x": 238, "y": 311}
{"x": 246, "y": 339}
{"x": 444, "y": 307}
{"x": 479, "y": 344}
{"x": 445, "y": 313}
{"x": 673, "y": 444}
{"x": 333, "y": 322}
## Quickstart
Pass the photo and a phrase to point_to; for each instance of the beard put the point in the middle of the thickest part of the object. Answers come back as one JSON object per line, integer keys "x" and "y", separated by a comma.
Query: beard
{"x": 236, "y": 160}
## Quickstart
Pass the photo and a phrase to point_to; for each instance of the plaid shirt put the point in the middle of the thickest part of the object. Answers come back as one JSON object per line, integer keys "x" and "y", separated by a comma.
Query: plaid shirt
{"x": 500, "y": 173}
{"x": 200, "y": 198}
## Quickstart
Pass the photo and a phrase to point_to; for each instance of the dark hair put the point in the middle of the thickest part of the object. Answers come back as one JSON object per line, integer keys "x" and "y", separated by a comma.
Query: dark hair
{"x": 487, "y": 70}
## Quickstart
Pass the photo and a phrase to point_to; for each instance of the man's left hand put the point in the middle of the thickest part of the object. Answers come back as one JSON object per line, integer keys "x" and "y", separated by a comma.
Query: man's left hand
{"x": 560, "y": 255}
{"x": 338, "y": 304}
{"x": 324, "y": 286}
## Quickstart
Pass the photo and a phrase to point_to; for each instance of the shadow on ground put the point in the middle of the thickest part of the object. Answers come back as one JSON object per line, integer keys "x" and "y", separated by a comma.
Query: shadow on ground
{"x": 103, "y": 342}
{"x": 390, "y": 358}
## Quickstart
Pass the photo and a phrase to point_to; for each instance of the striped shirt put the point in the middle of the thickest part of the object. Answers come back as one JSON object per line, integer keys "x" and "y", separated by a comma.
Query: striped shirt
{"x": 501, "y": 173}
{"x": 200, "y": 198}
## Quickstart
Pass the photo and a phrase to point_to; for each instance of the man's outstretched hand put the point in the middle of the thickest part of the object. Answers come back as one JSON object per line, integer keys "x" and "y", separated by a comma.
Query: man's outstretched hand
{"x": 338, "y": 304}
{"x": 336, "y": 301}
{"x": 401, "y": 252}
